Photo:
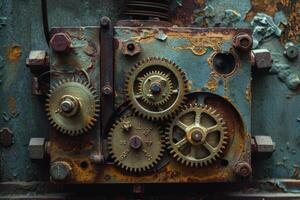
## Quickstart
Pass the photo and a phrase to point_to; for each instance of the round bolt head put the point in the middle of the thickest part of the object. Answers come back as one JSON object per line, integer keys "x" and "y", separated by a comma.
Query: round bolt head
{"x": 290, "y": 50}
{"x": 197, "y": 136}
{"x": 60, "y": 171}
{"x": 60, "y": 42}
{"x": 243, "y": 170}
{"x": 136, "y": 142}
{"x": 105, "y": 21}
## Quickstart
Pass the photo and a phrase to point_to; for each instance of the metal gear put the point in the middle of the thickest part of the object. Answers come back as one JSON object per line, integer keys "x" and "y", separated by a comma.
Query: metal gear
{"x": 72, "y": 106}
{"x": 197, "y": 136}
{"x": 136, "y": 144}
{"x": 156, "y": 88}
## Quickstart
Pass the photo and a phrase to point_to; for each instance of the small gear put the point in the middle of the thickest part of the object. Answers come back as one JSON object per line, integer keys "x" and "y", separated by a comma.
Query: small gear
{"x": 197, "y": 136}
{"x": 72, "y": 106}
{"x": 156, "y": 88}
{"x": 136, "y": 144}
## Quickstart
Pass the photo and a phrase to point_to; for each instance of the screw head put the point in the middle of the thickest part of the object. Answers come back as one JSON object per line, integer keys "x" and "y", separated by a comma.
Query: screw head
{"x": 60, "y": 42}
{"x": 136, "y": 142}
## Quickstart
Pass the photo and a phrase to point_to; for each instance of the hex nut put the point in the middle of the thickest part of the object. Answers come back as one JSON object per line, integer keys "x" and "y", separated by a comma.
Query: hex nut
{"x": 290, "y": 50}
{"x": 261, "y": 58}
{"x": 60, "y": 42}
{"x": 243, "y": 41}
{"x": 38, "y": 61}
{"x": 6, "y": 137}
{"x": 60, "y": 171}
{"x": 263, "y": 144}
{"x": 131, "y": 48}
{"x": 37, "y": 148}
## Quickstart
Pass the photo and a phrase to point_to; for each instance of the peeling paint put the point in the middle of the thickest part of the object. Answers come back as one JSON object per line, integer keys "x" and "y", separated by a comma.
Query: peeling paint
{"x": 264, "y": 27}
{"x": 286, "y": 74}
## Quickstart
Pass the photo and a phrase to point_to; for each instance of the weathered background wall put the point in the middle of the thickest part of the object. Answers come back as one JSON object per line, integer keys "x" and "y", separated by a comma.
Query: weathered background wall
{"x": 276, "y": 110}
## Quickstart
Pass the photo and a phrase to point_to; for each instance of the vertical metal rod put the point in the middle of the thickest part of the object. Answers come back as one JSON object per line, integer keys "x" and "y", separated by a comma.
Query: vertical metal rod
{"x": 106, "y": 71}
{"x": 45, "y": 20}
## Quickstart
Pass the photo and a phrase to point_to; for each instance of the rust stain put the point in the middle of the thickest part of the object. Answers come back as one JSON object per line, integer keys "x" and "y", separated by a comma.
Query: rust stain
{"x": 212, "y": 84}
{"x": 293, "y": 28}
{"x": 268, "y": 7}
{"x": 289, "y": 7}
{"x": 12, "y": 106}
{"x": 14, "y": 53}
{"x": 248, "y": 93}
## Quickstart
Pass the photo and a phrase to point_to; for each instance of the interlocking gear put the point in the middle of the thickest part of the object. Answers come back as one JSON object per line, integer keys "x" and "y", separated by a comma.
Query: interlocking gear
{"x": 136, "y": 144}
{"x": 156, "y": 88}
{"x": 197, "y": 136}
{"x": 72, "y": 106}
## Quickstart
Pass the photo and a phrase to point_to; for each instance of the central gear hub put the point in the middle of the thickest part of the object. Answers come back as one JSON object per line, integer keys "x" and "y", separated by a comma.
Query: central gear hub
{"x": 156, "y": 88}
{"x": 72, "y": 106}
{"x": 69, "y": 105}
{"x": 136, "y": 142}
{"x": 197, "y": 136}
{"x": 137, "y": 148}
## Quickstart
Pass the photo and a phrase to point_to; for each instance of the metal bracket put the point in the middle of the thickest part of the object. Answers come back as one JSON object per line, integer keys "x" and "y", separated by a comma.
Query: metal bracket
{"x": 106, "y": 70}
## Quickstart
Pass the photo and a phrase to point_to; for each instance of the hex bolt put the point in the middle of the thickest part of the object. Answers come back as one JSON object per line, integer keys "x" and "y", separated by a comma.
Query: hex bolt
{"x": 60, "y": 42}
{"x": 107, "y": 90}
{"x": 136, "y": 142}
{"x": 60, "y": 171}
{"x": 37, "y": 148}
{"x": 104, "y": 21}
{"x": 290, "y": 50}
{"x": 243, "y": 41}
{"x": 243, "y": 170}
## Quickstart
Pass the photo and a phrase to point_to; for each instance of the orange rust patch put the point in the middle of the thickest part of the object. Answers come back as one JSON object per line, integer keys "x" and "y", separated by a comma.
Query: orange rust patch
{"x": 212, "y": 84}
{"x": 14, "y": 53}
{"x": 268, "y": 7}
{"x": 12, "y": 106}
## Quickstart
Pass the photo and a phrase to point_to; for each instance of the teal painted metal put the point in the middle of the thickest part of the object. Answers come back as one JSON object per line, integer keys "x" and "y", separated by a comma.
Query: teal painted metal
{"x": 275, "y": 108}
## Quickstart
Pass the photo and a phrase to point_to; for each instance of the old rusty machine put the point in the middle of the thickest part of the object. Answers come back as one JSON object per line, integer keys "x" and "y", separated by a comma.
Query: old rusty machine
{"x": 144, "y": 100}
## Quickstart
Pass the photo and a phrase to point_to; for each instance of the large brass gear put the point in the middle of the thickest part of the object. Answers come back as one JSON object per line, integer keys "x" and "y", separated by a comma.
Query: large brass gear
{"x": 197, "y": 136}
{"x": 72, "y": 106}
{"x": 156, "y": 88}
{"x": 135, "y": 143}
